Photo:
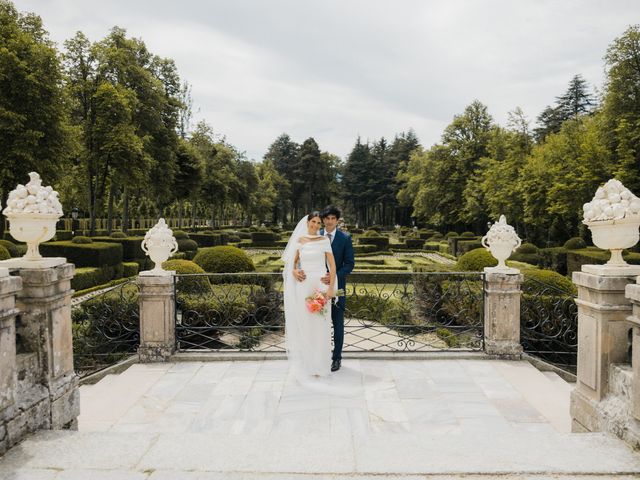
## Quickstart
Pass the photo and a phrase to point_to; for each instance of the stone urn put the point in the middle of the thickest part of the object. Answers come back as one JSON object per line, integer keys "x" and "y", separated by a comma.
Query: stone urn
{"x": 613, "y": 216}
{"x": 159, "y": 244}
{"x": 32, "y": 211}
{"x": 501, "y": 240}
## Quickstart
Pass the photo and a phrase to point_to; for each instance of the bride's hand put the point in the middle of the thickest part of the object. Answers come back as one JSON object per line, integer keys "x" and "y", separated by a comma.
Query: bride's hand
{"x": 329, "y": 294}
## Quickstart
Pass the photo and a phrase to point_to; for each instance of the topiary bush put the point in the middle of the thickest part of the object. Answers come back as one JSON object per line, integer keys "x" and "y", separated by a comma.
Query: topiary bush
{"x": 81, "y": 240}
{"x": 379, "y": 241}
{"x": 527, "y": 248}
{"x": 575, "y": 243}
{"x": 187, "y": 245}
{"x": 535, "y": 281}
{"x": 451, "y": 234}
{"x": 476, "y": 260}
{"x": 371, "y": 233}
{"x": 188, "y": 284}
{"x": 224, "y": 259}
{"x": 131, "y": 246}
{"x": 118, "y": 234}
{"x": 468, "y": 235}
{"x": 4, "y": 253}
{"x": 11, "y": 247}
{"x": 180, "y": 234}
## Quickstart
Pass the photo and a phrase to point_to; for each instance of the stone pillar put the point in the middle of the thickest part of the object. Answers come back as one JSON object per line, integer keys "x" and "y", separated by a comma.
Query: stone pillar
{"x": 45, "y": 330}
{"x": 602, "y": 341}
{"x": 8, "y": 369}
{"x": 502, "y": 314}
{"x": 157, "y": 318}
{"x": 632, "y": 292}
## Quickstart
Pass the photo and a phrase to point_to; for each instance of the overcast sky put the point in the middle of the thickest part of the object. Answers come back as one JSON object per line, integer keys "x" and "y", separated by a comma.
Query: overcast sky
{"x": 336, "y": 69}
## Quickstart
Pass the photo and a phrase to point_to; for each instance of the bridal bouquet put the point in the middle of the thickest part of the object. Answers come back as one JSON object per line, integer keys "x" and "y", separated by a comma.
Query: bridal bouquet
{"x": 317, "y": 302}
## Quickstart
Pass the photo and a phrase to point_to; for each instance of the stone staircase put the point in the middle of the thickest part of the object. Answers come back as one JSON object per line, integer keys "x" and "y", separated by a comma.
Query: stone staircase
{"x": 436, "y": 419}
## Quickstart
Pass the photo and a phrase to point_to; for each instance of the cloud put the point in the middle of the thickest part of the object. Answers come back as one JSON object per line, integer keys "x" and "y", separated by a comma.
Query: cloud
{"x": 337, "y": 69}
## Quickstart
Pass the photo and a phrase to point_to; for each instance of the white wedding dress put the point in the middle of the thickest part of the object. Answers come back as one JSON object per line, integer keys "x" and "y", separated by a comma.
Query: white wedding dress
{"x": 308, "y": 335}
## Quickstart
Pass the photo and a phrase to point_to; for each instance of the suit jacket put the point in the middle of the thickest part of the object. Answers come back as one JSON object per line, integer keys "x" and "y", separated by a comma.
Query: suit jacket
{"x": 342, "y": 248}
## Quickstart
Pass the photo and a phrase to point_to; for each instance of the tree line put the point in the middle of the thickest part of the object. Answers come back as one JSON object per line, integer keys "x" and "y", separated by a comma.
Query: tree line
{"x": 109, "y": 123}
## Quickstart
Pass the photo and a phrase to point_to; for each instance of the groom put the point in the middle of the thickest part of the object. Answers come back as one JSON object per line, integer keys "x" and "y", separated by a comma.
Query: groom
{"x": 343, "y": 254}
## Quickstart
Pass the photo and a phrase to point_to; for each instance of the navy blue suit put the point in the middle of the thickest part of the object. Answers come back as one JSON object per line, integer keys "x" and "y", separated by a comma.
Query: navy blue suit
{"x": 342, "y": 248}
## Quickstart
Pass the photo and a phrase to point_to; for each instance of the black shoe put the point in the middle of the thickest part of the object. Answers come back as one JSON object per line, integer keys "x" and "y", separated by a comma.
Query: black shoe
{"x": 335, "y": 365}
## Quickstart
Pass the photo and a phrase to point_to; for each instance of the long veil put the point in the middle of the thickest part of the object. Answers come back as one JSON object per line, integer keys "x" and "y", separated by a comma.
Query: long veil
{"x": 347, "y": 383}
{"x": 293, "y": 335}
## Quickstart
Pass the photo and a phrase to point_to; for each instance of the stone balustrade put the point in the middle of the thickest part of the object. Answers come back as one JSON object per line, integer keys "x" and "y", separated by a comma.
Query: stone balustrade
{"x": 38, "y": 385}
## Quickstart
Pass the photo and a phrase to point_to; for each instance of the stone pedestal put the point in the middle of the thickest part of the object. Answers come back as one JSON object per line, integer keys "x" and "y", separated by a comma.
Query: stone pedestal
{"x": 632, "y": 292}
{"x": 157, "y": 318}
{"x": 45, "y": 348}
{"x": 602, "y": 342}
{"x": 9, "y": 286}
{"x": 502, "y": 314}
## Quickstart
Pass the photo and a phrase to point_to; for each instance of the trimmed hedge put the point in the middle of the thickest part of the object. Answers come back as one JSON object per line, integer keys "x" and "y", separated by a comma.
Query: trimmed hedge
{"x": 118, "y": 234}
{"x": 527, "y": 248}
{"x": 187, "y": 245}
{"x": 224, "y": 260}
{"x": 87, "y": 277}
{"x": 11, "y": 248}
{"x": 188, "y": 284}
{"x": 64, "y": 235}
{"x": 208, "y": 239}
{"x": 575, "y": 243}
{"x": 81, "y": 240}
{"x": 530, "y": 258}
{"x": 264, "y": 237}
{"x": 130, "y": 269}
{"x": 533, "y": 276}
{"x": 180, "y": 234}
{"x": 465, "y": 246}
{"x": 360, "y": 249}
{"x": 4, "y": 253}
{"x": 553, "y": 258}
{"x": 131, "y": 246}
{"x": 468, "y": 235}
{"x": 94, "y": 254}
{"x": 379, "y": 242}
{"x": 476, "y": 260}
{"x": 448, "y": 235}
{"x": 414, "y": 242}
{"x": 586, "y": 256}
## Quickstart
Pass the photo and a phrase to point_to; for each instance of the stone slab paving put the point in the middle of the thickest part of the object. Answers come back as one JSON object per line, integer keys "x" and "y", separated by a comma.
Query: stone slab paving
{"x": 434, "y": 419}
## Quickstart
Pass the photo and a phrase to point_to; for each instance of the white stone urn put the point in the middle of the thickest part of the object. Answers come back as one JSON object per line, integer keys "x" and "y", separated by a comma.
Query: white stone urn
{"x": 159, "y": 243}
{"x": 613, "y": 216}
{"x": 33, "y": 211}
{"x": 501, "y": 240}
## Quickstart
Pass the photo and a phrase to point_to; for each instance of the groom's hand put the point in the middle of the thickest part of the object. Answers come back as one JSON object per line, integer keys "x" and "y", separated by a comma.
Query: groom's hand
{"x": 326, "y": 279}
{"x": 299, "y": 275}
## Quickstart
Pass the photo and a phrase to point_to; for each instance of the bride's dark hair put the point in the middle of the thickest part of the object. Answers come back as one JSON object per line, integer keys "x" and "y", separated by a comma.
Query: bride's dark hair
{"x": 313, "y": 214}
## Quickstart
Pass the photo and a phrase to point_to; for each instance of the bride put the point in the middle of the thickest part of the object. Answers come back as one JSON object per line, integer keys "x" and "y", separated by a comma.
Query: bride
{"x": 308, "y": 335}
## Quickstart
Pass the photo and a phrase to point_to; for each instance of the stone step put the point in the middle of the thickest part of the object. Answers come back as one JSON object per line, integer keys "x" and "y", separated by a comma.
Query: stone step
{"x": 547, "y": 396}
{"x": 533, "y": 454}
{"x": 559, "y": 381}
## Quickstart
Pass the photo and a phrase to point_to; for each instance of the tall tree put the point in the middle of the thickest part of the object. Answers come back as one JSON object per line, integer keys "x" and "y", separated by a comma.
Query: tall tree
{"x": 283, "y": 155}
{"x": 34, "y": 133}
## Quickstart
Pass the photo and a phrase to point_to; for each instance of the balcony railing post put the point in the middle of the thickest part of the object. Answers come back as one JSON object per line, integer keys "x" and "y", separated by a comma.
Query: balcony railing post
{"x": 157, "y": 318}
{"x": 602, "y": 341}
{"x": 502, "y": 314}
{"x": 45, "y": 340}
{"x": 8, "y": 366}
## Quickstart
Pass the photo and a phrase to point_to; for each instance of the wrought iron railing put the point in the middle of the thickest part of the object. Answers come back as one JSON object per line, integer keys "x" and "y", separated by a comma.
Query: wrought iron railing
{"x": 384, "y": 312}
{"x": 106, "y": 328}
{"x": 549, "y": 324}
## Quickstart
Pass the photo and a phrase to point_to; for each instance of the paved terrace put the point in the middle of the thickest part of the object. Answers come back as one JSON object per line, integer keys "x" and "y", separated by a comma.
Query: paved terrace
{"x": 436, "y": 419}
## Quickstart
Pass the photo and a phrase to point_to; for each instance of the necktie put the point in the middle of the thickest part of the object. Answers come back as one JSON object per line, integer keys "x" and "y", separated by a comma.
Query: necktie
{"x": 330, "y": 239}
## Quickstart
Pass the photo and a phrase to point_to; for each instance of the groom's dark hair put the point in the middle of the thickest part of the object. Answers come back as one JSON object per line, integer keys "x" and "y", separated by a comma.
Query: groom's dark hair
{"x": 331, "y": 210}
